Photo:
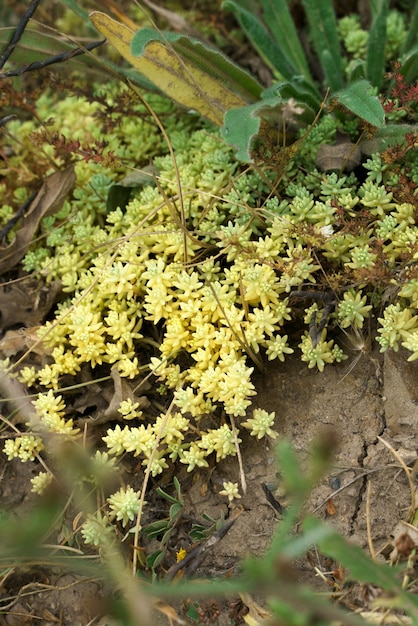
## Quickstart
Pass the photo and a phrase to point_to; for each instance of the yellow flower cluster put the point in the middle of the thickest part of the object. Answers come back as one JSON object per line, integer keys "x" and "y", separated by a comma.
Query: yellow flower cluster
{"x": 50, "y": 412}
{"x": 25, "y": 448}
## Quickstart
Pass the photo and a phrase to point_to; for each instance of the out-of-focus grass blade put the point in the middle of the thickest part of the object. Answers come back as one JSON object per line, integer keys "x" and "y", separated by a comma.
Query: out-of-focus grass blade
{"x": 40, "y": 46}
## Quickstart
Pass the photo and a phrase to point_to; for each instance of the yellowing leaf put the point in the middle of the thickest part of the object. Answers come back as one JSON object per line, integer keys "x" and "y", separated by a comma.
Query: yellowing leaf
{"x": 178, "y": 77}
{"x": 119, "y": 35}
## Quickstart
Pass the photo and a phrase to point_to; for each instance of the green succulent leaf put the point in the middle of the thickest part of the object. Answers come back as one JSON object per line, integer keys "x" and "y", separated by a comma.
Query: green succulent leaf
{"x": 360, "y": 100}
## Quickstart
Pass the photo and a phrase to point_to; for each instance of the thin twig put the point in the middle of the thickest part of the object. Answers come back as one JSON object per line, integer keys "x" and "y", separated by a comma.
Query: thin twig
{"x": 18, "y": 32}
{"x": 368, "y": 524}
{"x": 239, "y": 457}
{"x": 58, "y": 58}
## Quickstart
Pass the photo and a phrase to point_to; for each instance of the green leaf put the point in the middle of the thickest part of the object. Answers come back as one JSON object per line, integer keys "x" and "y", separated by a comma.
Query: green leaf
{"x": 166, "y": 495}
{"x": 324, "y": 32}
{"x": 243, "y": 125}
{"x": 177, "y": 487}
{"x": 375, "y": 59}
{"x": 175, "y": 511}
{"x": 239, "y": 129}
{"x": 155, "y": 559}
{"x": 304, "y": 94}
{"x": 411, "y": 38}
{"x": 295, "y": 482}
{"x": 410, "y": 65}
{"x": 299, "y": 545}
{"x": 280, "y": 23}
{"x": 156, "y": 528}
{"x": 362, "y": 567}
{"x": 269, "y": 49}
{"x": 360, "y": 100}
{"x": 357, "y": 71}
{"x": 333, "y": 73}
{"x": 390, "y": 135}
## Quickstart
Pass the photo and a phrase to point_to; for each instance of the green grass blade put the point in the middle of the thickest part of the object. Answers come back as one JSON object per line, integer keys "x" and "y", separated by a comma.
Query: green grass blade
{"x": 271, "y": 51}
{"x": 363, "y": 568}
{"x": 375, "y": 63}
{"x": 71, "y": 4}
{"x": 281, "y": 25}
{"x": 410, "y": 65}
{"x": 324, "y": 31}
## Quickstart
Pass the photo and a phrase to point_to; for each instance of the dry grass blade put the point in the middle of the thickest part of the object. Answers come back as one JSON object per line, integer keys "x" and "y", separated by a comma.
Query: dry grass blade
{"x": 408, "y": 473}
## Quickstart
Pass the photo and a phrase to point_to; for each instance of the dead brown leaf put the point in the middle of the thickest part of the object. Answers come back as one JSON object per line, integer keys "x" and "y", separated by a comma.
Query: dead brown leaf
{"x": 111, "y": 398}
{"x": 15, "y": 341}
{"x": 343, "y": 155}
{"x": 48, "y": 200}
{"x": 26, "y": 303}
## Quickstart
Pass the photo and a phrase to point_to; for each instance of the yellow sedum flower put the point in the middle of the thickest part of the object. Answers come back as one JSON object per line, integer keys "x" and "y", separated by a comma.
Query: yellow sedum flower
{"x": 260, "y": 424}
{"x": 41, "y": 482}
{"x": 50, "y": 410}
{"x": 26, "y": 447}
{"x": 231, "y": 490}
{"x": 124, "y": 505}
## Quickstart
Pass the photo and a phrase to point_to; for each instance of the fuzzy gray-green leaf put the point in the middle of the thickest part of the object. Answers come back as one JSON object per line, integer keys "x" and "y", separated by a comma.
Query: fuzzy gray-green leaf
{"x": 360, "y": 100}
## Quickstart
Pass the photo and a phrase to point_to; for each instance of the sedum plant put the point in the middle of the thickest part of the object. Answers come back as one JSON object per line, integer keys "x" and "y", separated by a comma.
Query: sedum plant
{"x": 199, "y": 274}
{"x": 199, "y": 277}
